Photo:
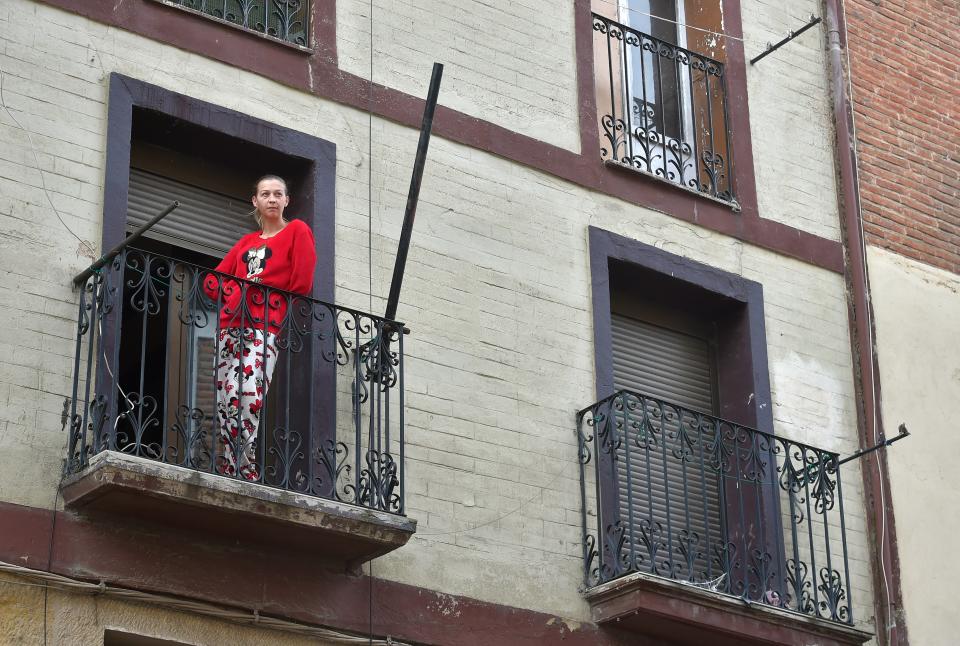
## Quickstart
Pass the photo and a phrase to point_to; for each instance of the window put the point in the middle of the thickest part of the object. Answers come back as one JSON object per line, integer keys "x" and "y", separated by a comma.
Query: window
{"x": 285, "y": 20}
{"x": 681, "y": 364}
{"x": 122, "y": 638}
{"x": 661, "y": 92}
{"x": 681, "y": 475}
{"x": 324, "y": 354}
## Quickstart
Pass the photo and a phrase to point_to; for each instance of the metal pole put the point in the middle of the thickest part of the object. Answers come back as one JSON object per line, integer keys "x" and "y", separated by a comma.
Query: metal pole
{"x": 814, "y": 20}
{"x": 80, "y": 278}
{"x": 414, "y": 194}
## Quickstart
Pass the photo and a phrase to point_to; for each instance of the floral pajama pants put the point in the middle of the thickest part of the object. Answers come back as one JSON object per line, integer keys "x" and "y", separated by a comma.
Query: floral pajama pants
{"x": 245, "y": 362}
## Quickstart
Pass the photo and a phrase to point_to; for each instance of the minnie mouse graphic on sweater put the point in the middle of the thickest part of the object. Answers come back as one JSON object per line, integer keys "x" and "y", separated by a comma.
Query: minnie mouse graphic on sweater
{"x": 282, "y": 256}
{"x": 256, "y": 260}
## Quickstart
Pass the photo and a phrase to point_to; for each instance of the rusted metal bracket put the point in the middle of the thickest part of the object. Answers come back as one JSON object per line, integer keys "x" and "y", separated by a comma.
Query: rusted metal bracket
{"x": 883, "y": 442}
{"x": 814, "y": 20}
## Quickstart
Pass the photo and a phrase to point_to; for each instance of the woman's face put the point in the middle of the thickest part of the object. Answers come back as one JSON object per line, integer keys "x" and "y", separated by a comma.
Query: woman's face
{"x": 271, "y": 199}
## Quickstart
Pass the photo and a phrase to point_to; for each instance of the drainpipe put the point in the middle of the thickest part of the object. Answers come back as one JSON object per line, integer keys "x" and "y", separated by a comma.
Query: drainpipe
{"x": 890, "y": 626}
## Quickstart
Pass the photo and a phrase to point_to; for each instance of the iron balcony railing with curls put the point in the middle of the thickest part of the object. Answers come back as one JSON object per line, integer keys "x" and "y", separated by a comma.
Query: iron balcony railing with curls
{"x": 677, "y": 493}
{"x": 663, "y": 110}
{"x": 146, "y": 382}
{"x": 285, "y": 20}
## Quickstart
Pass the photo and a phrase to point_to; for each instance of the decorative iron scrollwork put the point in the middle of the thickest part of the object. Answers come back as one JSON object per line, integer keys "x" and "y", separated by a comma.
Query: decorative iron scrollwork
{"x": 150, "y": 341}
{"x": 287, "y": 20}
{"x": 772, "y": 517}
{"x": 667, "y": 110}
{"x": 378, "y": 482}
{"x": 832, "y": 595}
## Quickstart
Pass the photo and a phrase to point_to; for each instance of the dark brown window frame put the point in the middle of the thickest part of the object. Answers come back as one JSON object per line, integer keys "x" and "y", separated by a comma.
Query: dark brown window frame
{"x": 733, "y": 303}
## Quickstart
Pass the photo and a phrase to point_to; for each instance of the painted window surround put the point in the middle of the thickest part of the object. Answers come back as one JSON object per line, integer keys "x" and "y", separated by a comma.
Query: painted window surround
{"x": 742, "y": 369}
{"x": 319, "y": 74}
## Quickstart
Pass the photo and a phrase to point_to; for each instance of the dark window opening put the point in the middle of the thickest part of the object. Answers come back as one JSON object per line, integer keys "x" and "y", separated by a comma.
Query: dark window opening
{"x": 118, "y": 638}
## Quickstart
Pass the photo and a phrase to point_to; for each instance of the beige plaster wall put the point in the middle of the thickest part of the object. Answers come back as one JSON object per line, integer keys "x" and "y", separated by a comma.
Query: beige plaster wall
{"x": 497, "y": 293}
{"x": 77, "y": 619}
{"x": 511, "y": 63}
{"x": 793, "y": 139}
{"x": 917, "y": 310}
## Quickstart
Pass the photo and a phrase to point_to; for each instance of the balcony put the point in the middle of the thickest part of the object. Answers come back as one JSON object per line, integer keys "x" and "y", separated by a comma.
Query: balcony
{"x": 662, "y": 110}
{"x": 287, "y": 21}
{"x": 155, "y": 421}
{"x": 696, "y": 527}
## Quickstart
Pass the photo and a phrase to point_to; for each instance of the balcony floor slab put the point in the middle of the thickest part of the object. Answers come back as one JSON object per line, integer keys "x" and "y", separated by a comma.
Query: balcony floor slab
{"x": 139, "y": 488}
{"x": 684, "y": 614}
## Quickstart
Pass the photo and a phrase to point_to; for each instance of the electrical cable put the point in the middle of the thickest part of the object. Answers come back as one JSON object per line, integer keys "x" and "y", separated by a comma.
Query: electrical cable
{"x": 522, "y": 504}
{"x": 686, "y": 25}
{"x": 43, "y": 183}
{"x": 370, "y": 265}
{"x": 869, "y": 325}
{"x": 370, "y": 165}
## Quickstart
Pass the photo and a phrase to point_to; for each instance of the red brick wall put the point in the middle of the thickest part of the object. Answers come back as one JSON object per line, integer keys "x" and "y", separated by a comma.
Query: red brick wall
{"x": 905, "y": 65}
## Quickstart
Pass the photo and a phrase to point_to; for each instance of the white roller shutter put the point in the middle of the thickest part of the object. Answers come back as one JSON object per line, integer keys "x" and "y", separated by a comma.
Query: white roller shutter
{"x": 677, "y": 368}
{"x": 206, "y": 221}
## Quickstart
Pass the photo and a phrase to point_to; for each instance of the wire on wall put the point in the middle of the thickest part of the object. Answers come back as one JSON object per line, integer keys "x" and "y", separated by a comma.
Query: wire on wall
{"x": 616, "y": 6}
{"x": 871, "y": 342}
{"x": 43, "y": 182}
{"x": 370, "y": 265}
{"x": 248, "y": 618}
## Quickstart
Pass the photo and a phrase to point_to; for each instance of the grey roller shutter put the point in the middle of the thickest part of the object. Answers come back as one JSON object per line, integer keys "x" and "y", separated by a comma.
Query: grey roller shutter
{"x": 662, "y": 497}
{"x": 206, "y": 221}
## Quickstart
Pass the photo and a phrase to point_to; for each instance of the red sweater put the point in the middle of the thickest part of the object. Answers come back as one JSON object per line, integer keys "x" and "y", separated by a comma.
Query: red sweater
{"x": 285, "y": 261}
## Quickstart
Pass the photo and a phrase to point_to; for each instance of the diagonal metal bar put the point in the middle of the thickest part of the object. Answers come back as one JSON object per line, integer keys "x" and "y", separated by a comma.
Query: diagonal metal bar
{"x": 414, "y": 194}
{"x": 814, "y": 20}
{"x": 882, "y": 443}
{"x": 82, "y": 277}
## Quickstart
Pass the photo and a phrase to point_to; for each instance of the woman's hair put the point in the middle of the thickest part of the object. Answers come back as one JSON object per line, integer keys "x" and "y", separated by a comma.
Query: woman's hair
{"x": 256, "y": 187}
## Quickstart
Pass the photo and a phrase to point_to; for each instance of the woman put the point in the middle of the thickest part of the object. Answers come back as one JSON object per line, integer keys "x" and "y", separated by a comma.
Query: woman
{"x": 280, "y": 255}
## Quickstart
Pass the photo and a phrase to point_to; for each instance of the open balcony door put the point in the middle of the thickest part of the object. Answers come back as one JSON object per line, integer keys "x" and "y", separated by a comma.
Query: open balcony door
{"x": 177, "y": 371}
{"x": 167, "y": 350}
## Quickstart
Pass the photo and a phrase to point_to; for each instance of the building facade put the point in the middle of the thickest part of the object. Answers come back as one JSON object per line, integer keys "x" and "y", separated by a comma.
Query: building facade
{"x": 629, "y": 362}
{"x": 906, "y": 143}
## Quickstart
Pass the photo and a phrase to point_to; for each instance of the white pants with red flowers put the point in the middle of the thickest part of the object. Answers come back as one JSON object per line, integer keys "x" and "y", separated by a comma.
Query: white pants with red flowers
{"x": 245, "y": 362}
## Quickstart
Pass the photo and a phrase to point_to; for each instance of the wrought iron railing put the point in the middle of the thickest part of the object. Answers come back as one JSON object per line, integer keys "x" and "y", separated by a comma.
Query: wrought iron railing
{"x": 152, "y": 378}
{"x": 663, "y": 109}
{"x": 287, "y": 20}
{"x": 684, "y": 495}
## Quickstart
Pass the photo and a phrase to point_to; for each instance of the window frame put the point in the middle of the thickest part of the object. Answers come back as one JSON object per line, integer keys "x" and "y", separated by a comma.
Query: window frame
{"x": 308, "y": 32}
